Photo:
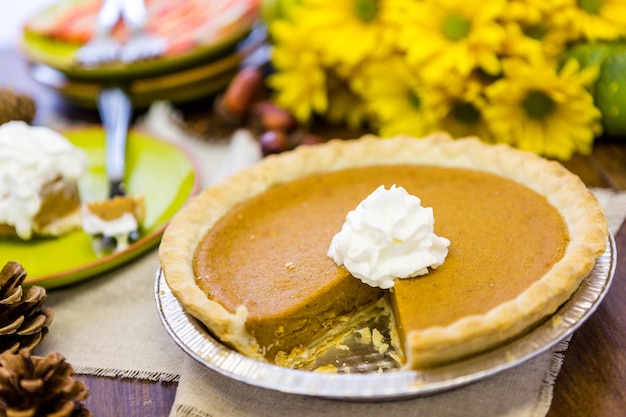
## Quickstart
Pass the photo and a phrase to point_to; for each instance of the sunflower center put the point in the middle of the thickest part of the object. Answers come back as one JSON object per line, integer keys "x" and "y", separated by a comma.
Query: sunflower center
{"x": 414, "y": 99}
{"x": 537, "y": 104}
{"x": 466, "y": 113}
{"x": 590, "y": 6}
{"x": 536, "y": 32}
{"x": 366, "y": 10}
{"x": 455, "y": 27}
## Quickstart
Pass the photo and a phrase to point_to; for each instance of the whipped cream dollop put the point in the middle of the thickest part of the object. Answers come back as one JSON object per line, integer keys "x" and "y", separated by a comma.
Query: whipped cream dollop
{"x": 388, "y": 236}
{"x": 31, "y": 156}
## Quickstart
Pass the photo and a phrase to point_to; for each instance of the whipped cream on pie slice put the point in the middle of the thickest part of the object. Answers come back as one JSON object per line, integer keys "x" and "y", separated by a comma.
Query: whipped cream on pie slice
{"x": 39, "y": 170}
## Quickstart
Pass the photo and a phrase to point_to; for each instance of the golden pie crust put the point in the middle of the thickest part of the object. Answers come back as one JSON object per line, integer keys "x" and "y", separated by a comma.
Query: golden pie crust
{"x": 581, "y": 212}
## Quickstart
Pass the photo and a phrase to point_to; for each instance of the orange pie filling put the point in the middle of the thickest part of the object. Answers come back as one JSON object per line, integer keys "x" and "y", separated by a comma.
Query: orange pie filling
{"x": 269, "y": 252}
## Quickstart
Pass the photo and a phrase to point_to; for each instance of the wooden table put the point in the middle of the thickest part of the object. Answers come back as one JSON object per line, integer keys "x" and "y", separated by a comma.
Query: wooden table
{"x": 592, "y": 381}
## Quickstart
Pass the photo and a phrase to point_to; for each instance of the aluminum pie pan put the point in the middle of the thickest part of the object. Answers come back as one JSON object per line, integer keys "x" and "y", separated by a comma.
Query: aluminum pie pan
{"x": 190, "y": 335}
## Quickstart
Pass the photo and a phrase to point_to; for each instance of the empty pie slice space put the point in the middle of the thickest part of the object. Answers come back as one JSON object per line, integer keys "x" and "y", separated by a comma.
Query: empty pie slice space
{"x": 249, "y": 257}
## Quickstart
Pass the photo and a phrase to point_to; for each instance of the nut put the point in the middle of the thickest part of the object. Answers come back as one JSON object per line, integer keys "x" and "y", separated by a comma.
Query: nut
{"x": 243, "y": 90}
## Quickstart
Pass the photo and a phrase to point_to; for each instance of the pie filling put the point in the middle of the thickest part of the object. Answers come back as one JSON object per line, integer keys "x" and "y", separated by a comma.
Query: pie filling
{"x": 269, "y": 254}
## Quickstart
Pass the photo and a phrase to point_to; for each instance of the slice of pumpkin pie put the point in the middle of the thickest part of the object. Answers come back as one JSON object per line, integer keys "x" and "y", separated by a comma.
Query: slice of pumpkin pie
{"x": 516, "y": 235}
{"x": 39, "y": 171}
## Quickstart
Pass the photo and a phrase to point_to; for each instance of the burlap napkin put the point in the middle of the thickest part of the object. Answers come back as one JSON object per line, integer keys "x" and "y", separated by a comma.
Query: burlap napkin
{"x": 109, "y": 325}
{"x": 523, "y": 391}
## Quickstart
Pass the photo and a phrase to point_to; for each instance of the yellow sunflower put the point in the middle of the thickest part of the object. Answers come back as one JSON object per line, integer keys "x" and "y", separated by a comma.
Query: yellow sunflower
{"x": 299, "y": 82}
{"x": 344, "y": 105}
{"x": 351, "y": 31}
{"x": 537, "y": 109}
{"x": 458, "y": 36}
{"x": 534, "y": 29}
{"x": 465, "y": 102}
{"x": 596, "y": 20}
{"x": 397, "y": 100}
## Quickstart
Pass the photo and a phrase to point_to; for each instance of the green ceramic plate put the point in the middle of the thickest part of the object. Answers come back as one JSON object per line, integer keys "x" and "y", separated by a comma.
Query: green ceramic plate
{"x": 61, "y": 55}
{"x": 162, "y": 172}
{"x": 180, "y": 86}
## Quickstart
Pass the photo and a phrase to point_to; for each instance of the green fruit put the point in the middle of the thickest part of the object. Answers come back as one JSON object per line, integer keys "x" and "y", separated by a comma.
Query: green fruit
{"x": 609, "y": 90}
{"x": 610, "y": 93}
{"x": 588, "y": 54}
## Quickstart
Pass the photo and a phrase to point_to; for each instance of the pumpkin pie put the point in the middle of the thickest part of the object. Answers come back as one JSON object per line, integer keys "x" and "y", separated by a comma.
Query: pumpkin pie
{"x": 39, "y": 170}
{"x": 248, "y": 257}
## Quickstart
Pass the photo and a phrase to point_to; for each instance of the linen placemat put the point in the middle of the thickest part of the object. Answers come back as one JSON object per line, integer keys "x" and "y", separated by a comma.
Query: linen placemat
{"x": 109, "y": 326}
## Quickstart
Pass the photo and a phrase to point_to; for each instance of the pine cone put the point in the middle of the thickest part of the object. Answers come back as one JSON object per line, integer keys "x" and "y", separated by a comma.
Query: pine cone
{"x": 33, "y": 386}
{"x": 16, "y": 106}
{"x": 23, "y": 320}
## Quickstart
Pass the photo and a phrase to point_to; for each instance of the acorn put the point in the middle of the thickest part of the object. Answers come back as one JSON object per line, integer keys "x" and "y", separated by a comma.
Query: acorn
{"x": 274, "y": 141}
{"x": 273, "y": 117}
{"x": 243, "y": 90}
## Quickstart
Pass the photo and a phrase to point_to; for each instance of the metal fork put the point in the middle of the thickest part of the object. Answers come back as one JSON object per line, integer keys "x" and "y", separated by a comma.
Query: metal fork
{"x": 115, "y": 108}
{"x": 141, "y": 44}
{"x": 102, "y": 47}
